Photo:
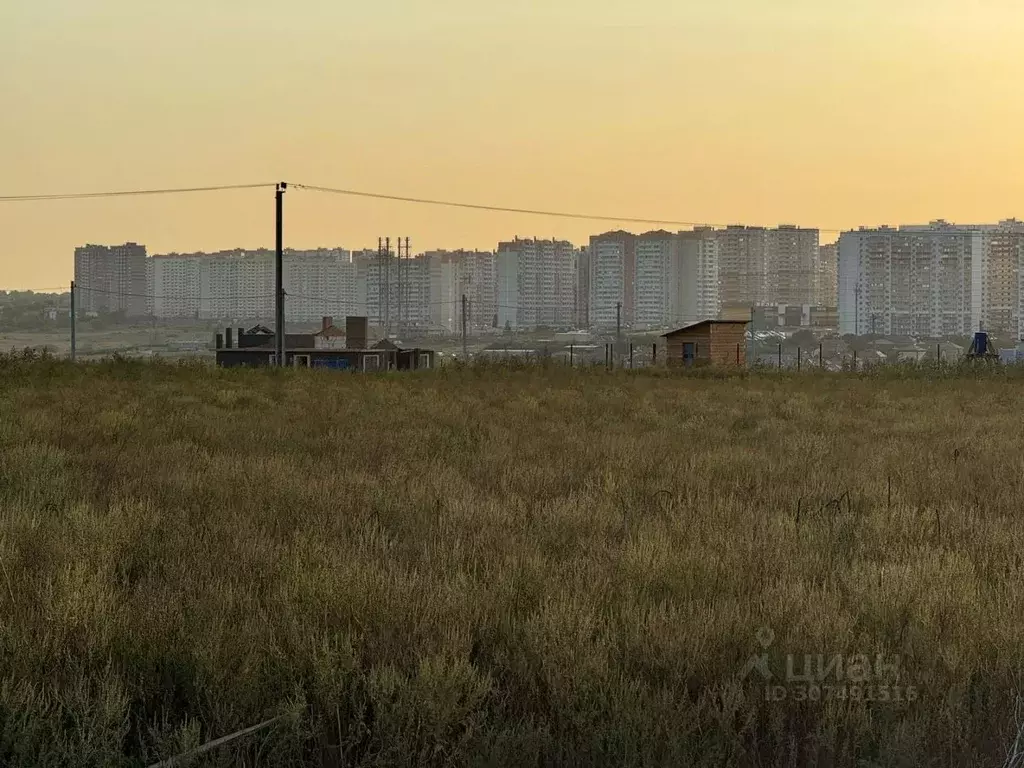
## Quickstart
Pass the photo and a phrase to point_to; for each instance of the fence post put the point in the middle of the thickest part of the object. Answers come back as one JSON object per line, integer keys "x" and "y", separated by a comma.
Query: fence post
{"x": 737, "y": 354}
{"x": 780, "y": 355}
{"x": 938, "y": 354}
{"x": 571, "y": 350}
{"x": 654, "y": 354}
{"x": 855, "y": 359}
{"x": 821, "y": 358}
{"x": 631, "y": 355}
{"x": 798, "y": 359}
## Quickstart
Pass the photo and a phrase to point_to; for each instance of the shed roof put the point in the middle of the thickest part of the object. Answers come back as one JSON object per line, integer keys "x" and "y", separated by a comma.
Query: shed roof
{"x": 692, "y": 326}
{"x": 385, "y": 344}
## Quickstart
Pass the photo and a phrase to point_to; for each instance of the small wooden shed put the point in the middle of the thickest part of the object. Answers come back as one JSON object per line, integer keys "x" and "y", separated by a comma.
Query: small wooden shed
{"x": 710, "y": 342}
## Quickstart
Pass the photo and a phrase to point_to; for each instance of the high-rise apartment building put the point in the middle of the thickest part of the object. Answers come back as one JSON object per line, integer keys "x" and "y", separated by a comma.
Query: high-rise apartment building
{"x": 240, "y": 285}
{"x": 536, "y": 284}
{"x": 612, "y": 271}
{"x": 581, "y": 314}
{"x": 174, "y": 285}
{"x": 791, "y": 263}
{"x": 759, "y": 266}
{"x": 454, "y": 274}
{"x": 480, "y": 284}
{"x": 111, "y": 279}
{"x": 656, "y": 283}
{"x": 826, "y": 276}
{"x": 319, "y": 283}
{"x": 698, "y": 287}
{"x": 996, "y": 275}
{"x": 662, "y": 279}
{"x": 742, "y": 265}
{"x": 445, "y": 290}
{"x": 913, "y": 281}
{"x": 425, "y": 292}
{"x": 376, "y": 287}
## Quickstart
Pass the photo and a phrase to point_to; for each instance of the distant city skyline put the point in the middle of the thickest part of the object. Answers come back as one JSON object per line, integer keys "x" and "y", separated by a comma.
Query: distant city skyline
{"x": 651, "y": 279}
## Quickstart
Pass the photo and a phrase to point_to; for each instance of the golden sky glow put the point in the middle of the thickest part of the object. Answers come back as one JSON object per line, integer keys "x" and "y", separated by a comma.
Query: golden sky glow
{"x": 816, "y": 113}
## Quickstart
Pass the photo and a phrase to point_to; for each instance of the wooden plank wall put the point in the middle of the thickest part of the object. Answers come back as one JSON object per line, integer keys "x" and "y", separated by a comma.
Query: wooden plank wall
{"x": 716, "y": 345}
{"x": 674, "y": 346}
{"x": 724, "y": 342}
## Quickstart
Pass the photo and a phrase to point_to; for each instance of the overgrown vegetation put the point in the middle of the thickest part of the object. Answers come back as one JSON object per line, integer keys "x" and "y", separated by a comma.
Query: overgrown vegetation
{"x": 502, "y": 566}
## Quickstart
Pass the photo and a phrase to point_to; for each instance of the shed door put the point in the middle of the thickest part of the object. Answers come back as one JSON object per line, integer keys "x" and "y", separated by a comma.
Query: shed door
{"x": 689, "y": 351}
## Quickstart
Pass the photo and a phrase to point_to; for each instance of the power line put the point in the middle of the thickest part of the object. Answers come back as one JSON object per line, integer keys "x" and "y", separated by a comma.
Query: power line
{"x": 165, "y": 297}
{"x": 503, "y": 209}
{"x": 347, "y": 302}
{"x": 127, "y": 193}
{"x": 370, "y": 195}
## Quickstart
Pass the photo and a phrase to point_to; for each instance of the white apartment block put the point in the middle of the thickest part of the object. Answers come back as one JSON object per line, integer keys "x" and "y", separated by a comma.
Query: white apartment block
{"x": 581, "y": 312}
{"x": 742, "y": 265}
{"x": 996, "y": 279}
{"x": 826, "y": 277}
{"x": 319, "y": 283}
{"x": 422, "y": 292}
{"x": 454, "y": 274}
{"x": 656, "y": 280}
{"x": 612, "y": 274}
{"x": 445, "y": 291}
{"x": 174, "y": 285}
{"x": 479, "y": 282}
{"x": 662, "y": 279}
{"x": 415, "y": 289}
{"x": 911, "y": 281}
{"x": 791, "y": 265}
{"x": 111, "y": 278}
{"x": 536, "y": 284}
{"x": 376, "y": 291}
{"x": 699, "y": 295}
{"x": 239, "y": 285}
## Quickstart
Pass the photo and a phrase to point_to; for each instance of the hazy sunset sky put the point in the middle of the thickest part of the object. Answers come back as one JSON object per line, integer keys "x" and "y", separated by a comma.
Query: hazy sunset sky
{"x": 812, "y": 112}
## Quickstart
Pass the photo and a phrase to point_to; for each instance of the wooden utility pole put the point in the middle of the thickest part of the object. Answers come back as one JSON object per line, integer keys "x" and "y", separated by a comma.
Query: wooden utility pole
{"x": 73, "y": 341}
{"x": 387, "y": 287}
{"x": 279, "y": 272}
{"x": 398, "y": 268}
{"x": 465, "y": 354}
{"x": 405, "y": 301}
{"x": 618, "y": 327}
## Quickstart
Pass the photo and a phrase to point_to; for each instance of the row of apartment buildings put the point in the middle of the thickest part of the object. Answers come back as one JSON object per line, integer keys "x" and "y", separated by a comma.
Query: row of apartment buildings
{"x": 939, "y": 279}
{"x": 652, "y": 280}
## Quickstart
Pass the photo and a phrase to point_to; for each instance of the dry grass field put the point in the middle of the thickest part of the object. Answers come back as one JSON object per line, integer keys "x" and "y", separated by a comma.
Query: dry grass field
{"x": 495, "y": 567}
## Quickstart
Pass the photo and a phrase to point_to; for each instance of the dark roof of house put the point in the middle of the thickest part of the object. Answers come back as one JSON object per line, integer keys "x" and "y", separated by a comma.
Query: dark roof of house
{"x": 385, "y": 344}
{"x": 260, "y": 329}
{"x": 331, "y": 330}
{"x": 326, "y": 351}
{"x": 705, "y": 322}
